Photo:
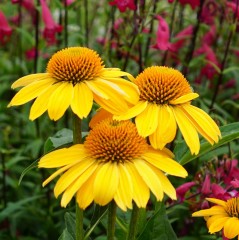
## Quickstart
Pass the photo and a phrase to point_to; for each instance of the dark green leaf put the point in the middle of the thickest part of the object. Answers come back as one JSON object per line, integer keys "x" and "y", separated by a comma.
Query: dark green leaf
{"x": 66, "y": 236}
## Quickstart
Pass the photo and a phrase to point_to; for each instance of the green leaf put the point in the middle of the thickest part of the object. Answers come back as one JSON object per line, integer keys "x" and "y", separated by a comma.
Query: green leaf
{"x": 158, "y": 226}
{"x": 230, "y": 69}
{"x": 231, "y": 102}
{"x": 30, "y": 167}
{"x": 69, "y": 232}
{"x": 229, "y": 133}
{"x": 66, "y": 236}
{"x": 62, "y": 137}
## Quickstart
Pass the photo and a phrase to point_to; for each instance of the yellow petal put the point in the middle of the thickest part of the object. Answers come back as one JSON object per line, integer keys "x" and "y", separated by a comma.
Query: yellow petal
{"x": 185, "y": 98}
{"x": 76, "y": 185}
{"x": 62, "y": 157}
{"x": 24, "y": 81}
{"x": 215, "y": 210}
{"x": 217, "y": 201}
{"x": 132, "y": 112}
{"x": 216, "y": 223}
{"x": 165, "y": 164}
{"x": 100, "y": 115}
{"x": 150, "y": 178}
{"x": 96, "y": 89}
{"x": 124, "y": 193}
{"x": 40, "y": 105}
{"x": 112, "y": 72}
{"x": 84, "y": 195}
{"x": 147, "y": 121}
{"x": 60, "y": 100}
{"x": 131, "y": 90}
{"x": 166, "y": 130}
{"x": 82, "y": 100}
{"x": 141, "y": 191}
{"x": 71, "y": 175}
{"x": 202, "y": 122}
{"x": 231, "y": 227}
{"x": 30, "y": 92}
{"x": 188, "y": 130}
{"x": 111, "y": 106}
{"x": 166, "y": 184}
{"x": 106, "y": 183}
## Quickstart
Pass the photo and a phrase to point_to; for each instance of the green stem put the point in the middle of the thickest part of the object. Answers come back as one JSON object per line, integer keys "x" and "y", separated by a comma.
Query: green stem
{"x": 133, "y": 223}
{"x": 77, "y": 138}
{"x": 111, "y": 220}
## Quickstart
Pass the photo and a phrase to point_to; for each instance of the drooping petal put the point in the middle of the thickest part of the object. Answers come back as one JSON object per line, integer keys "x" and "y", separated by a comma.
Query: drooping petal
{"x": 76, "y": 185}
{"x": 216, "y": 223}
{"x": 97, "y": 90}
{"x": 166, "y": 184}
{"x": 40, "y": 105}
{"x": 147, "y": 121}
{"x": 71, "y": 175}
{"x": 184, "y": 99}
{"x": 131, "y": 89}
{"x": 215, "y": 210}
{"x": 30, "y": 92}
{"x": 141, "y": 191}
{"x": 84, "y": 195}
{"x": 24, "y": 81}
{"x": 166, "y": 130}
{"x": 60, "y": 100}
{"x": 132, "y": 112}
{"x": 124, "y": 193}
{"x": 231, "y": 227}
{"x": 188, "y": 130}
{"x": 63, "y": 157}
{"x": 149, "y": 177}
{"x": 106, "y": 183}
{"x": 165, "y": 164}
{"x": 203, "y": 122}
{"x": 82, "y": 100}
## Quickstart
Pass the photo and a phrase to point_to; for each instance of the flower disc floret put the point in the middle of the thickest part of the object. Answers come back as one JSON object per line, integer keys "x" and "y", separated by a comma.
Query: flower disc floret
{"x": 115, "y": 141}
{"x": 160, "y": 85}
{"x": 75, "y": 65}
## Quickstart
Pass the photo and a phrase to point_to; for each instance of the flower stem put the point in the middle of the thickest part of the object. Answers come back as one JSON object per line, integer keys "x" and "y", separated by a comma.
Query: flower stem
{"x": 133, "y": 223}
{"x": 77, "y": 138}
{"x": 111, "y": 220}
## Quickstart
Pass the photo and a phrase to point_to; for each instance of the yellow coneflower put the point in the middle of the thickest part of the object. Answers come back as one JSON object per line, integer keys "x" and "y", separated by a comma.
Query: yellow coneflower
{"x": 75, "y": 77}
{"x": 114, "y": 163}
{"x": 223, "y": 216}
{"x": 164, "y": 104}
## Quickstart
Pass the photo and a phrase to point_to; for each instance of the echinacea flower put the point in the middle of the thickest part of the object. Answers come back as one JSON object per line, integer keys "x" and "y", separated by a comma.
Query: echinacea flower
{"x": 75, "y": 76}
{"x": 223, "y": 216}
{"x": 165, "y": 102}
{"x": 114, "y": 163}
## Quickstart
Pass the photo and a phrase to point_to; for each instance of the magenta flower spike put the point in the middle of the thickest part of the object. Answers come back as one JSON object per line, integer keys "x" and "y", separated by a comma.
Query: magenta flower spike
{"x": 51, "y": 27}
{"x": 5, "y": 29}
{"x": 123, "y": 4}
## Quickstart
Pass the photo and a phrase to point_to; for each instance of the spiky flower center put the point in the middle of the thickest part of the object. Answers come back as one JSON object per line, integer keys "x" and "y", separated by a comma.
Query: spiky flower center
{"x": 115, "y": 141}
{"x": 75, "y": 64}
{"x": 161, "y": 84}
{"x": 232, "y": 207}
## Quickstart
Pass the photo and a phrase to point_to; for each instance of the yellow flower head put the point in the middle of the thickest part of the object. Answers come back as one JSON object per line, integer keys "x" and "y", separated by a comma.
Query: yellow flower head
{"x": 75, "y": 76}
{"x": 223, "y": 216}
{"x": 165, "y": 103}
{"x": 114, "y": 163}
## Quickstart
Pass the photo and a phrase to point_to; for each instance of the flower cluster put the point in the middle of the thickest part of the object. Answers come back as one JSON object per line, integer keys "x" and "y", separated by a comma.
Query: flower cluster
{"x": 115, "y": 162}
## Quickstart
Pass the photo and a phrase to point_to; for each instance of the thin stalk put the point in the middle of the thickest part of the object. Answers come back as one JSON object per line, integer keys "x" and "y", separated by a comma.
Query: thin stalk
{"x": 65, "y": 24}
{"x": 192, "y": 46}
{"x": 36, "y": 37}
{"x": 220, "y": 77}
{"x": 111, "y": 220}
{"x": 4, "y": 185}
{"x": 77, "y": 138}
{"x": 133, "y": 223}
{"x": 86, "y": 23}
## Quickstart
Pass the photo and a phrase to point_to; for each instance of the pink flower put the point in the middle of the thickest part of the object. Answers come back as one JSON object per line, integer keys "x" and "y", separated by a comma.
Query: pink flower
{"x": 162, "y": 36}
{"x": 180, "y": 39}
{"x": 233, "y": 7}
{"x": 123, "y": 4}
{"x": 206, "y": 186}
{"x": 5, "y": 29}
{"x": 181, "y": 190}
{"x": 51, "y": 28}
{"x": 209, "y": 11}
{"x": 69, "y": 2}
{"x": 210, "y": 36}
{"x": 117, "y": 23}
{"x": 230, "y": 83}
